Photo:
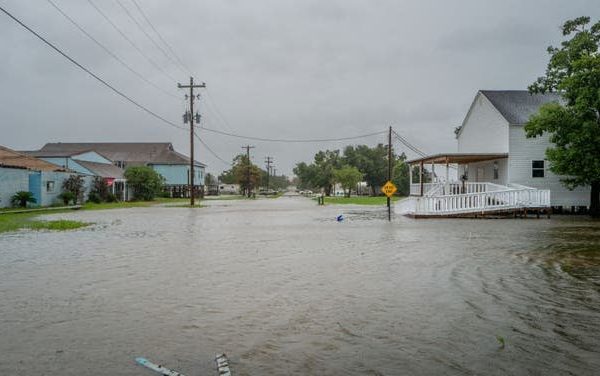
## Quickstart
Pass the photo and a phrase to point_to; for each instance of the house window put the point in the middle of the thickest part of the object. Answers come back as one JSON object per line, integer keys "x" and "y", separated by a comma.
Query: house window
{"x": 496, "y": 171}
{"x": 537, "y": 169}
{"x": 49, "y": 186}
{"x": 120, "y": 164}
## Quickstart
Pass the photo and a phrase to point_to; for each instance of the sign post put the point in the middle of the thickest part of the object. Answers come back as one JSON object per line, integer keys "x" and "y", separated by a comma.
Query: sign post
{"x": 389, "y": 189}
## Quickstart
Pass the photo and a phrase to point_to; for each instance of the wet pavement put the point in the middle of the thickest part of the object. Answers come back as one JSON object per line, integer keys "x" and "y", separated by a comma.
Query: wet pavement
{"x": 283, "y": 288}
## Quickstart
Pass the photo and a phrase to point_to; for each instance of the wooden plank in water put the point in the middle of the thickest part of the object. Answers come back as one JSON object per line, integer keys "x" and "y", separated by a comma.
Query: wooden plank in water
{"x": 222, "y": 365}
{"x": 157, "y": 367}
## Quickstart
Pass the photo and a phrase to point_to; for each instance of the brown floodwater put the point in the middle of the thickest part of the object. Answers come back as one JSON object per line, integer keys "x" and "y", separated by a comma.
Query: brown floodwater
{"x": 283, "y": 288}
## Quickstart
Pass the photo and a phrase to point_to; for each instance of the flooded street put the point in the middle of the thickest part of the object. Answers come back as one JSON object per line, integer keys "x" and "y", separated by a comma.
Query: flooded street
{"x": 282, "y": 288}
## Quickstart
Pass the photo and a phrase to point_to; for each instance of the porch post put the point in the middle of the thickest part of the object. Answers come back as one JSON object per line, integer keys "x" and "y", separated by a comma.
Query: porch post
{"x": 410, "y": 182}
{"x": 433, "y": 177}
{"x": 421, "y": 177}
{"x": 447, "y": 176}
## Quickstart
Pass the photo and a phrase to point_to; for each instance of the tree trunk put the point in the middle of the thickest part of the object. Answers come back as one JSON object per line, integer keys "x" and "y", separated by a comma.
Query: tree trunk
{"x": 595, "y": 199}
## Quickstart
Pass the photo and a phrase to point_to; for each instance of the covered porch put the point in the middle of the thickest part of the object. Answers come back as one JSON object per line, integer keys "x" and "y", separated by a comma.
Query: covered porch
{"x": 457, "y": 191}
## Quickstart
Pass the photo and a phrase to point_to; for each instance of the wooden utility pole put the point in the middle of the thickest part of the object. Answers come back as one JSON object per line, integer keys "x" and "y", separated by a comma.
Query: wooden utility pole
{"x": 248, "y": 147}
{"x": 389, "y": 200}
{"x": 190, "y": 117}
{"x": 268, "y": 161}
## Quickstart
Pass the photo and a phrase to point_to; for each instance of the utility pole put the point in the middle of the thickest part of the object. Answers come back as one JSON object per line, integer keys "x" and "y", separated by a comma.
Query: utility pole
{"x": 190, "y": 117}
{"x": 389, "y": 200}
{"x": 248, "y": 147}
{"x": 268, "y": 161}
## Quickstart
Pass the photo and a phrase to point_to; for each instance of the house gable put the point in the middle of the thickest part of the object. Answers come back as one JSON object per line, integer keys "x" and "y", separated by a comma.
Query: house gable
{"x": 484, "y": 129}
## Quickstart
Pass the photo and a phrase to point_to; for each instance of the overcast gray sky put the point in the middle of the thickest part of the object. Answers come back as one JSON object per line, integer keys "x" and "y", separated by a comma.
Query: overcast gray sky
{"x": 277, "y": 69}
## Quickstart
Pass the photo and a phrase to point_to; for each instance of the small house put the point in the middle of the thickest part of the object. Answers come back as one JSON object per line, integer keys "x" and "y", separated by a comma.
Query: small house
{"x": 497, "y": 167}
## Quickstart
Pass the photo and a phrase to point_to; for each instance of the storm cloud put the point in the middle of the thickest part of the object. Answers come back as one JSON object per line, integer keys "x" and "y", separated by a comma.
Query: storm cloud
{"x": 274, "y": 68}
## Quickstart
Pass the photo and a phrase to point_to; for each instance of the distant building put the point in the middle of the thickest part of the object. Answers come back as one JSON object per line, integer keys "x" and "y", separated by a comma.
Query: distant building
{"x": 88, "y": 163}
{"x": 161, "y": 156}
{"x": 21, "y": 172}
{"x": 230, "y": 189}
{"x": 500, "y": 168}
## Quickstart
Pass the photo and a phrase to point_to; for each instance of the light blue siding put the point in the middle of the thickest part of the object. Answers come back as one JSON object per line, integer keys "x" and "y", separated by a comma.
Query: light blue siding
{"x": 91, "y": 156}
{"x": 71, "y": 164}
{"x": 178, "y": 174}
{"x": 12, "y": 180}
{"x": 35, "y": 186}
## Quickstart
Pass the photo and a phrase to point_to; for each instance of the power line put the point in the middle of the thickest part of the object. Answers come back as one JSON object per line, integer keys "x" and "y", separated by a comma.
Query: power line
{"x": 160, "y": 36}
{"x": 147, "y": 35}
{"x": 291, "y": 140}
{"x": 108, "y": 51}
{"x": 132, "y": 43}
{"x": 115, "y": 90}
{"x": 211, "y": 151}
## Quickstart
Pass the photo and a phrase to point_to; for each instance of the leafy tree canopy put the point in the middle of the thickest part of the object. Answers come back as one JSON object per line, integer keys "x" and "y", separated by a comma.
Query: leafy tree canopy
{"x": 574, "y": 125}
{"x": 144, "y": 181}
{"x": 348, "y": 177}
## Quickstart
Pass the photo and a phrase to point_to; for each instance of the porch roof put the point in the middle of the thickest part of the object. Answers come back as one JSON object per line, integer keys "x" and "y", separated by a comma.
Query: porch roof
{"x": 460, "y": 158}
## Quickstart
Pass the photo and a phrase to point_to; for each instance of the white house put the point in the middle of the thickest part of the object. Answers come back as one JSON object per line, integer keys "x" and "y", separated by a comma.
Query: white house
{"x": 499, "y": 168}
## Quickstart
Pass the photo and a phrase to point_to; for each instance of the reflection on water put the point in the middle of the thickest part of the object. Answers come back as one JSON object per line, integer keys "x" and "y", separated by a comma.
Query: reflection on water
{"x": 283, "y": 288}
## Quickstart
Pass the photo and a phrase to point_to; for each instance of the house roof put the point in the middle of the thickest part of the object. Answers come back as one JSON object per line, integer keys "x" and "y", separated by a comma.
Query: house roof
{"x": 105, "y": 170}
{"x": 130, "y": 152}
{"x": 517, "y": 106}
{"x": 459, "y": 158}
{"x": 50, "y": 154}
{"x": 9, "y": 157}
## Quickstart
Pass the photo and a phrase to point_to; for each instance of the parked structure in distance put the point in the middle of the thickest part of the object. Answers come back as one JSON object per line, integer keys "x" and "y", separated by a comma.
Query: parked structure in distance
{"x": 161, "y": 156}
{"x": 499, "y": 168}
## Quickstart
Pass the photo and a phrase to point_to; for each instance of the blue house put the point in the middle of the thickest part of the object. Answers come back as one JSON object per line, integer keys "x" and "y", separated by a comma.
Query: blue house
{"x": 161, "y": 156}
{"x": 89, "y": 163}
{"x": 20, "y": 172}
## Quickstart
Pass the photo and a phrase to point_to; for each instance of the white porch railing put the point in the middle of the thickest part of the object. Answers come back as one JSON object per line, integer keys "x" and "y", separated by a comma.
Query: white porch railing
{"x": 483, "y": 197}
{"x": 454, "y": 188}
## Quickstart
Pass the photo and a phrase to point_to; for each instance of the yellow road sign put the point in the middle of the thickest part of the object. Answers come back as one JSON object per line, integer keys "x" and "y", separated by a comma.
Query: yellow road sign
{"x": 389, "y": 189}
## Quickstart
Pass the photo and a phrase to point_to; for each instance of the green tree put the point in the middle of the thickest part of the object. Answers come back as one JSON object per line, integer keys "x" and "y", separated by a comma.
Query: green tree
{"x": 573, "y": 126}
{"x": 348, "y": 177}
{"x": 210, "y": 180}
{"x": 22, "y": 198}
{"x": 243, "y": 172}
{"x": 319, "y": 174}
{"x": 144, "y": 182}
{"x": 100, "y": 191}
{"x": 74, "y": 185}
{"x": 372, "y": 162}
{"x": 400, "y": 175}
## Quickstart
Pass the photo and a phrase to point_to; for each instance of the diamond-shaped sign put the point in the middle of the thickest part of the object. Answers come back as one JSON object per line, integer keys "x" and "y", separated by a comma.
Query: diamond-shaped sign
{"x": 389, "y": 189}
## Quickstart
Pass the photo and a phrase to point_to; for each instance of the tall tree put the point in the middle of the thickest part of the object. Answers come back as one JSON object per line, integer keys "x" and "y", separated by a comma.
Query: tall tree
{"x": 243, "y": 172}
{"x": 372, "y": 162}
{"x": 573, "y": 126}
{"x": 348, "y": 177}
{"x": 401, "y": 178}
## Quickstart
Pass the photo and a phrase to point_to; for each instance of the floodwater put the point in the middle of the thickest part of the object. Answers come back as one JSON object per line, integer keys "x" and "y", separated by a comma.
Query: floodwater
{"x": 282, "y": 288}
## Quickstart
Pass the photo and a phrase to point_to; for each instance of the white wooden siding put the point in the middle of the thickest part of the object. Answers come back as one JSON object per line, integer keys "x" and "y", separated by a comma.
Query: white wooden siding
{"x": 484, "y": 130}
{"x": 522, "y": 151}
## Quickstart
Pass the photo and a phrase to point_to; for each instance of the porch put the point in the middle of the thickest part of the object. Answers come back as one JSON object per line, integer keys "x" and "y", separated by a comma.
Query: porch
{"x": 453, "y": 195}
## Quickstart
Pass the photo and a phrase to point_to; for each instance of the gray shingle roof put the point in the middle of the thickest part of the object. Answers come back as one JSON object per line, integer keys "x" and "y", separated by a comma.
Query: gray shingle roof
{"x": 104, "y": 170}
{"x": 517, "y": 106}
{"x": 133, "y": 153}
{"x": 9, "y": 157}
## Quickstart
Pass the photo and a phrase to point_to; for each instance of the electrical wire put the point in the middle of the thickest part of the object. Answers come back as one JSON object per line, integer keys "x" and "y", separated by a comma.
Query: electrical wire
{"x": 115, "y": 90}
{"x": 147, "y": 35}
{"x": 108, "y": 51}
{"x": 211, "y": 151}
{"x": 291, "y": 140}
{"x": 160, "y": 36}
{"x": 132, "y": 43}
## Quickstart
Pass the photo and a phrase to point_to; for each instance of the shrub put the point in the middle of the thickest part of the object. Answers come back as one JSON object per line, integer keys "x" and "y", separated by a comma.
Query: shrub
{"x": 74, "y": 185}
{"x": 111, "y": 198}
{"x": 94, "y": 197}
{"x": 21, "y": 198}
{"x": 67, "y": 197}
{"x": 145, "y": 182}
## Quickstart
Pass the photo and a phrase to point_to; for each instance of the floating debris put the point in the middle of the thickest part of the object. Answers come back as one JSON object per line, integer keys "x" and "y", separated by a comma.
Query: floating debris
{"x": 339, "y": 218}
{"x": 157, "y": 367}
{"x": 222, "y": 365}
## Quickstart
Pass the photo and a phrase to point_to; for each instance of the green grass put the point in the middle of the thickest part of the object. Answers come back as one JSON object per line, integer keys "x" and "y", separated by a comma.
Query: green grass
{"x": 358, "y": 200}
{"x": 15, "y": 222}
